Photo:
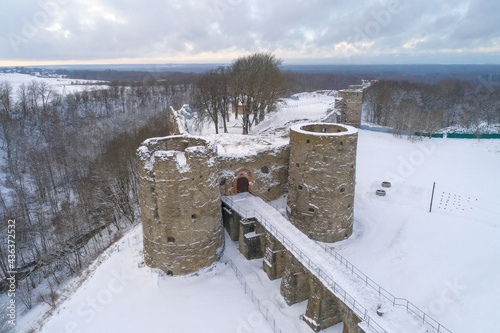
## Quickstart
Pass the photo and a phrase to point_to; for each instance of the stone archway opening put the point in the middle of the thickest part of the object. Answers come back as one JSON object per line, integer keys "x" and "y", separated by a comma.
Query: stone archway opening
{"x": 242, "y": 182}
{"x": 242, "y": 185}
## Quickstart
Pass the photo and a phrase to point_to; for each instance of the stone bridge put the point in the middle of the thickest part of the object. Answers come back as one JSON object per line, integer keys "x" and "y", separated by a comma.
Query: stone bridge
{"x": 336, "y": 290}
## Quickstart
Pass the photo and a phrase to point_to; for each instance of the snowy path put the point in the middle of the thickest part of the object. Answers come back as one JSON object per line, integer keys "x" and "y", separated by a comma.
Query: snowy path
{"x": 352, "y": 290}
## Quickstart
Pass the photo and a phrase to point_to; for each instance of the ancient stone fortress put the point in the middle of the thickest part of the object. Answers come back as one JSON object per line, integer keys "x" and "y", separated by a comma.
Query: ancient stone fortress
{"x": 321, "y": 180}
{"x": 183, "y": 178}
{"x": 180, "y": 202}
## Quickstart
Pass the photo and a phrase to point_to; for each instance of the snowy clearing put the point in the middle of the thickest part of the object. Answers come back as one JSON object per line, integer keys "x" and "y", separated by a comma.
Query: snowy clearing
{"x": 446, "y": 262}
{"x": 61, "y": 86}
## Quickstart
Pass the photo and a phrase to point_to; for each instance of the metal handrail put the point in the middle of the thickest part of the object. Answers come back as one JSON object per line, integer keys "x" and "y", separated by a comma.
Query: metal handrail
{"x": 361, "y": 311}
{"x": 267, "y": 314}
{"x": 396, "y": 301}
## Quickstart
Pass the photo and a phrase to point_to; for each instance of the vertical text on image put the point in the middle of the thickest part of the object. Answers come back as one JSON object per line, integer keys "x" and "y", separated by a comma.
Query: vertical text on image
{"x": 11, "y": 259}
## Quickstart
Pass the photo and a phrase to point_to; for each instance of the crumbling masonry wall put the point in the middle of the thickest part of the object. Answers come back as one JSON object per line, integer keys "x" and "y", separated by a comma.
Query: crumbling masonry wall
{"x": 321, "y": 180}
{"x": 180, "y": 201}
{"x": 267, "y": 169}
{"x": 350, "y": 105}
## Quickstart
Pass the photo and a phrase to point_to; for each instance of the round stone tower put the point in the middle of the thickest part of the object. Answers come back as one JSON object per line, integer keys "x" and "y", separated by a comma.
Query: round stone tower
{"x": 180, "y": 201}
{"x": 321, "y": 180}
{"x": 351, "y": 110}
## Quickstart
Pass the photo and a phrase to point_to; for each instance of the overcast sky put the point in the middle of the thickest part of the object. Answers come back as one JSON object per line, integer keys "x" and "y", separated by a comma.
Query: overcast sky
{"x": 206, "y": 31}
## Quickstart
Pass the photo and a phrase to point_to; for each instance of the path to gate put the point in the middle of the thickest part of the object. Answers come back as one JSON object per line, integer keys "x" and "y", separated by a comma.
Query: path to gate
{"x": 351, "y": 286}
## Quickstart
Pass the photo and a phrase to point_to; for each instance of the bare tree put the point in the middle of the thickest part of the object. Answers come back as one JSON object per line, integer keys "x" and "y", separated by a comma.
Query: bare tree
{"x": 212, "y": 97}
{"x": 258, "y": 83}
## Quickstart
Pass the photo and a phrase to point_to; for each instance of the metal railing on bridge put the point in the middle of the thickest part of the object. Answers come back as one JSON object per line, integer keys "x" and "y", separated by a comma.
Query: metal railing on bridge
{"x": 360, "y": 310}
{"x": 263, "y": 309}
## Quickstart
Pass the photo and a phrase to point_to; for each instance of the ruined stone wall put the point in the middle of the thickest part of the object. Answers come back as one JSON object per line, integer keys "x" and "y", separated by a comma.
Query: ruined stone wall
{"x": 351, "y": 110}
{"x": 321, "y": 180}
{"x": 177, "y": 122}
{"x": 267, "y": 171}
{"x": 180, "y": 201}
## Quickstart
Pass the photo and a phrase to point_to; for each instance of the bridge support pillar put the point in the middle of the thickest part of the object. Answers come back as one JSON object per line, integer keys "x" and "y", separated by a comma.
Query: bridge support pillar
{"x": 251, "y": 239}
{"x": 274, "y": 257}
{"x": 322, "y": 308}
{"x": 231, "y": 222}
{"x": 295, "y": 286}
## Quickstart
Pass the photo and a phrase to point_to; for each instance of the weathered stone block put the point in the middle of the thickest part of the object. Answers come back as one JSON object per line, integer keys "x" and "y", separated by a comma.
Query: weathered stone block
{"x": 295, "y": 286}
{"x": 353, "y": 100}
{"x": 231, "y": 222}
{"x": 250, "y": 240}
{"x": 321, "y": 180}
{"x": 266, "y": 171}
{"x": 322, "y": 308}
{"x": 274, "y": 257}
{"x": 180, "y": 202}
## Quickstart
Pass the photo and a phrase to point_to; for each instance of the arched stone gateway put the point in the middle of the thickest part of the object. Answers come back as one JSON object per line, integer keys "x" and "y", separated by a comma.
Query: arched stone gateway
{"x": 242, "y": 182}
{"x": 242, "y": 185}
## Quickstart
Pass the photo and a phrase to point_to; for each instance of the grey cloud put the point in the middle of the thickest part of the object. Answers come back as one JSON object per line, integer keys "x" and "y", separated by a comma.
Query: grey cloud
{"x": 155, "y": 28}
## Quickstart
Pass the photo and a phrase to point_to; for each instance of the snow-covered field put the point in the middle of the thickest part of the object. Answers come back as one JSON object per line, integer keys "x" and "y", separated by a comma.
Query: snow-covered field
{"x": 61, "y": 86}
{"x": 446, "y": 262}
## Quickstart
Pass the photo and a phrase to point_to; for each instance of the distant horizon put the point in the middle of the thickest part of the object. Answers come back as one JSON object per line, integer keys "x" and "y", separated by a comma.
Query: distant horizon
{"x": 223, "y": 63}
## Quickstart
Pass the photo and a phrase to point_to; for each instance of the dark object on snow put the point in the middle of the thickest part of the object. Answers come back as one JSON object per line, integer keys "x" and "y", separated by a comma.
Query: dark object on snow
{"x": 379, "y": 310}
{"x": 386, "y": 184}
{"x": 380, "y": 193}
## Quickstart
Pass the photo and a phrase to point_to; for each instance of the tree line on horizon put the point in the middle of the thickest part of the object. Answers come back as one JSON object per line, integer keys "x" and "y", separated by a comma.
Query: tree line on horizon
{"x": 411, "y": 107}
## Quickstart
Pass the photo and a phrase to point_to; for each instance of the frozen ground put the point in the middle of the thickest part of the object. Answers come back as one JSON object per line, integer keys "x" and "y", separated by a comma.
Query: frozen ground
{"x": 123, "y": 295}
{"x": 446, "y": 262}
{"x": 61, "y": 86}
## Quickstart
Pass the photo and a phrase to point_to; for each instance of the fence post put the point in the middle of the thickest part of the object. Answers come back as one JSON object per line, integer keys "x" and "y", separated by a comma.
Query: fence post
{"x": 432, "y": 196}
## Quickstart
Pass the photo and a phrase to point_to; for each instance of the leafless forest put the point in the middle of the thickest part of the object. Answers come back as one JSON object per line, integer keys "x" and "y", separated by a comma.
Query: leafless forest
{"x": 410, "y": 107}
{"x": 70, "y": 171}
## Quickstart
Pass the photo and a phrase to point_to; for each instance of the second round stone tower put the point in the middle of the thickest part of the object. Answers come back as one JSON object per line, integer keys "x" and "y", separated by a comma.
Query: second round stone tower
{"x": 180, "y": 201}
{"x": 321, "y": 180}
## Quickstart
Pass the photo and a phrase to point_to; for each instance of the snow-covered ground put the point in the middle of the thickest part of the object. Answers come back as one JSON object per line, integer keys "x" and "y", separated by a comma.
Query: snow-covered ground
{"x": 446, "y": 262}
{"x": 61, "y": 86}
